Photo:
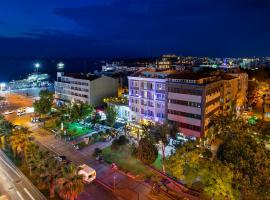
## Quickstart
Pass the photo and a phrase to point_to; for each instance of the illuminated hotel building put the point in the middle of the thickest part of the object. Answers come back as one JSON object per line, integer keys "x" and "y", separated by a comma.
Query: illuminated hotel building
{"x": 147, "y": 95}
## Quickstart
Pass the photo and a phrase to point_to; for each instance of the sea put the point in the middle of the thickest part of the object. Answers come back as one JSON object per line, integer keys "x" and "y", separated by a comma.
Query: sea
{"x": 19, "y": 68}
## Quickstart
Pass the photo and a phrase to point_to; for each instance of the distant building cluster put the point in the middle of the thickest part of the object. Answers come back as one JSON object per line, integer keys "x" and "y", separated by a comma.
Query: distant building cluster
{"x": 172, "y": 88}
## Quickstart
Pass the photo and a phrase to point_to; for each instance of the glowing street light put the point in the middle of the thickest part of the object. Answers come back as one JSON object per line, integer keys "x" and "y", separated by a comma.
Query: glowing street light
{"x": 37, "y": 66}
{"x": 2, "y": 86}
{"x": 60, "y": 65}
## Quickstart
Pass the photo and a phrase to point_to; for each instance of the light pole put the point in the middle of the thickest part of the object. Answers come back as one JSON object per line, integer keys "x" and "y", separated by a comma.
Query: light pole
{"x": 37, "y": 66}
{"x": 60, "y": 65}
{"x": 114, "y": 182}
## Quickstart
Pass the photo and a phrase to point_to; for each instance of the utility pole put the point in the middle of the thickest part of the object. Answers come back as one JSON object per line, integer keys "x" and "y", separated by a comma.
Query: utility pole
{"x": 114, "y": 182}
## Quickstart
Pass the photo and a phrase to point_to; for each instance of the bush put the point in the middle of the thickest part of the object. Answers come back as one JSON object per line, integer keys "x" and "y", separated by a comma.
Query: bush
{"x": 97, "y": 152}
{"x": 95, "y": 135}
{"x": 147, "y": 151}
{"x": 115, "y": 145}
{"x": 133, "y": 150}
{"x": 118, "y": 143}
{"x": 122, "y": 140}
{"x": 207, "y": 154}
{"x": 101, "y": 133}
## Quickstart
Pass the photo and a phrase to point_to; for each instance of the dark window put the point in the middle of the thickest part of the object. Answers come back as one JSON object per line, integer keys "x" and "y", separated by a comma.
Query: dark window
{"x": 190, "y": 115}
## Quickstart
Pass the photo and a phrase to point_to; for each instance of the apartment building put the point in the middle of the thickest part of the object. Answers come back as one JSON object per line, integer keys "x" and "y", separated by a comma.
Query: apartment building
{"x": 192, "y": 100}
{"x": 84, "y": 87}
{"x": 242, "y": 88}
{"x": 266, "y": 107}
{"x": 147, "y": 95}
{"x": 229, "y": 93}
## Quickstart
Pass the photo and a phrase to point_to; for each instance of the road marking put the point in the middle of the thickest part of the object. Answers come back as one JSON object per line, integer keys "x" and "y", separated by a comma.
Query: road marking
{"x": 8, "y": 165}
{"x": 19, "y": 194}
{"x": 29, "y": 194}
{"x": 7, "y": 175}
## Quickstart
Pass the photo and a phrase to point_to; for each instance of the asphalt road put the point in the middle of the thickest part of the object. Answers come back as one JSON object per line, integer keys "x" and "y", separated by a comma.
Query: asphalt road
{"x": 14, "y": 184}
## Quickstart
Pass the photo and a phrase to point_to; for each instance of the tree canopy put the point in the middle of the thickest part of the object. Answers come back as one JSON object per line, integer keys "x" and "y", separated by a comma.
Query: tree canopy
{"x": 147, "y": 152}
{"x": 80, "y": 110}
{"x": 111, "y": 114}
{"x": 44, "y": 104}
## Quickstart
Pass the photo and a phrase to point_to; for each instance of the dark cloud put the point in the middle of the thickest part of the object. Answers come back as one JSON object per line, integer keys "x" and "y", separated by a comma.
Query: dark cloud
{"x": 152, "y": 27}
{"x": 196, "y": 26}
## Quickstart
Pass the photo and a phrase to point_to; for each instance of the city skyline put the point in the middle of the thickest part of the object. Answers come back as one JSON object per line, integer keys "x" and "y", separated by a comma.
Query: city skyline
{"x": 134, "y": 29}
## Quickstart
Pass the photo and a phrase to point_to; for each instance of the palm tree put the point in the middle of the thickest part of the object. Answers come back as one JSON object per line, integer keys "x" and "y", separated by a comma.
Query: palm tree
{"x": 50, "y": 172}
{"x": 31, "y": 154}
{"x": 161, "y": 134}
{"x": 19, "y": 139}
{"x": 71, "y": 184}
{"x": 5, "y": 129}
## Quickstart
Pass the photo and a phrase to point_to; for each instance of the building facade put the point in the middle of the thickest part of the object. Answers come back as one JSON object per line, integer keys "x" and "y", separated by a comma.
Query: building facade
{"x": 186, "y": 99}
{"x": 192, "y": 100}
{"x": 147, "y": 96}
{"x": 85, "y": 88}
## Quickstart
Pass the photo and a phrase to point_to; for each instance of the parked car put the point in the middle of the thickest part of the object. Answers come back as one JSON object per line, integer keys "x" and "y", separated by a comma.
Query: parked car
{"x": 21, "y": 112}
{"x": 88, "y": 173}
{"x": 35, "y": 119}
{"x": 8, "y": 112}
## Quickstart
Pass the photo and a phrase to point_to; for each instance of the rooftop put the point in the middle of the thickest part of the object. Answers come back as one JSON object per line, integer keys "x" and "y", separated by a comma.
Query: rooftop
{"x": 83, "y": 76}
{"x": 153, "y": 73}
{"x": 190, "y": 76}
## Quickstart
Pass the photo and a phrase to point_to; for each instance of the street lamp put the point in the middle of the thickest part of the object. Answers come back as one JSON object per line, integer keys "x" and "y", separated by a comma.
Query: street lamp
{"x": 37, "y": 66}
{"x": 60, "y": 65}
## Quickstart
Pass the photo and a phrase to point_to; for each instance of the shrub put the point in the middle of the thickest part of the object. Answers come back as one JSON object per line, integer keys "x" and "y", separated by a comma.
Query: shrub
{"x": 97, "y": 152}
{"x": 123, "y": 140}
{"x": 207, "y": 154}
{"x": 115, "y": 145}
{"x": 118, "y": 143}
{"x": 95, "y": 136}
{"x": 147, "y": 151}
{"x": 133, "y": 150}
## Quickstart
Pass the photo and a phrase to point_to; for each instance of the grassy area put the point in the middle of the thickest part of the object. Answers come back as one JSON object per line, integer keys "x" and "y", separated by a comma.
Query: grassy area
{"x": 126, "y": 162}
{"x": 158, "y": 163}
{"x": 76, "y": 129}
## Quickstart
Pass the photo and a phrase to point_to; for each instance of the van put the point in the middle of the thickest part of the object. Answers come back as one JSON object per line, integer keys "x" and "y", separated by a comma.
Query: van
{"x": 88, "y": 173}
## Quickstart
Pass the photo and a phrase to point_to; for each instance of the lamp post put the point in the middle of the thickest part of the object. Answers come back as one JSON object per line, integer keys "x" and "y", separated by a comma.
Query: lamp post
{"x": 114, "y": 182}
{"x": 37, "y": 66}
{"x": 60, "y": 65}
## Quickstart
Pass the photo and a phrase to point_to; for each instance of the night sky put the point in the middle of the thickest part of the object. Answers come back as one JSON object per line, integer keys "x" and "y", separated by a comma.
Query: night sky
{"x": 126, "y": 28}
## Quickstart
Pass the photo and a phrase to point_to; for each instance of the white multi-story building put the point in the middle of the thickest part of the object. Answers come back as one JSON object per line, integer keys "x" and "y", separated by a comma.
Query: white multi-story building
{"x": 147, "y": 95}
{"x": 85, "y": 88}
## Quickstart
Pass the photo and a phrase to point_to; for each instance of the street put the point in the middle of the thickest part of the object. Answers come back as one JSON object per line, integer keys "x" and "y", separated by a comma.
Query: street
{"x": 109, "y": 184}
{"x": 14, "y": 184}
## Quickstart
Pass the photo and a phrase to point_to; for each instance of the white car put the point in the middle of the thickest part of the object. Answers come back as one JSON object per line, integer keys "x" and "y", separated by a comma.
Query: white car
{"x": 88, "y": 173}
{"x": 8, "y": 112}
